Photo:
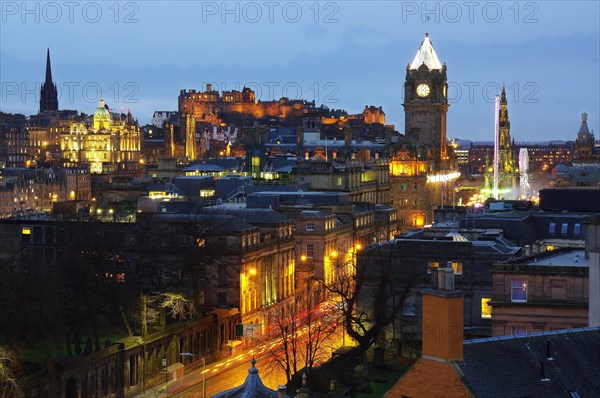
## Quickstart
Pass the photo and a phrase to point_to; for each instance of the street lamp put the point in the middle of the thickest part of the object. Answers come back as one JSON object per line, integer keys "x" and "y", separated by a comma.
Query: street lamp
{"x": 189, "y": 354}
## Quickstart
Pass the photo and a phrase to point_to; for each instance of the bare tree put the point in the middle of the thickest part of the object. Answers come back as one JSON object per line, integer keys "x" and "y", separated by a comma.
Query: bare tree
{"x": 299, "y": 339}
{"x": 9, "y": 387}
{"x": 365, "y": 287}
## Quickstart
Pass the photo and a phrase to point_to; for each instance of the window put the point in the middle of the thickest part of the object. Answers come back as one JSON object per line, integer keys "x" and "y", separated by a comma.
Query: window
{"x": 26, "y": 234}
{"x": 558, "y": 289}
{"x": 166, "y": 273}
{"x": 431, "y": 265}
{"x": 310, "y": 250}
{"x": 339, "y": 181}
{"x": 576, "y": 229}
{"x": 410, "y": 306}
{"x": 486, "y": 308}
{"x": 518, "y": 330}
{"x": 552, "y": 228}
{"x": 564, "y": 228}
{"x": 183, "y": 240}
{"x": 222, "y": 276}
{"x": 518, "y": 290}
{"x": 457, "y": 267}
{"x": 310, "y": 226}
{"x": 415, "y": 186}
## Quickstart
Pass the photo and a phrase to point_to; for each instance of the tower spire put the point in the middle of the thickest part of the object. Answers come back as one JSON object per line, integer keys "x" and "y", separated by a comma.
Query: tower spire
{"x": 48, "y": 68}
{"x": 48, "y": 92}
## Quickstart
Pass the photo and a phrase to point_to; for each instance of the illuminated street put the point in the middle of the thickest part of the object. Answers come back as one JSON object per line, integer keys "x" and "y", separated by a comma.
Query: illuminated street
{"x": 231, "y": 372}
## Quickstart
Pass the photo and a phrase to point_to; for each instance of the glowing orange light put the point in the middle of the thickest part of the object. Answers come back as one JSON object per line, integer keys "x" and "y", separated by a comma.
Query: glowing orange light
{"x": 358, "y": 246}
{"x": 252, "y": 271}
{"x": 303, "y": 258}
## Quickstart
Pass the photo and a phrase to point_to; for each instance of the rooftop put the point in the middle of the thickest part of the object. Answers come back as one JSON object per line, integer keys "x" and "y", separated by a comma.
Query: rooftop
{"x": 575, "y": 258}
{"x": 559, "y": 363}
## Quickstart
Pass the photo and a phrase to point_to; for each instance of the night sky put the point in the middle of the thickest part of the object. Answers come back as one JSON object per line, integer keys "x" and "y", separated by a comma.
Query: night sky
{"x": 344, "y": 54}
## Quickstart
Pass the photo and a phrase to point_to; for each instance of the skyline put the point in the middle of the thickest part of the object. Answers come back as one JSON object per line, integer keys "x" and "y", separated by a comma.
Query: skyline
{"x": 550, "y": 67}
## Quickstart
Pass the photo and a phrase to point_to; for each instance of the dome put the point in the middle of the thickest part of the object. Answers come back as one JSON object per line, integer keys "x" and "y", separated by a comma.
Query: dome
{"x": 101, "y": 111}
{"x": 253, "y": 387}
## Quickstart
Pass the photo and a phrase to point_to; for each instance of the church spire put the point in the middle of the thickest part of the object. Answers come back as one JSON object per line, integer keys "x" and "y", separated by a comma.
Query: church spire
{"x": 49, "y": 92}
{"x": 48, "y": 68}
{"x": 503, "y": 96}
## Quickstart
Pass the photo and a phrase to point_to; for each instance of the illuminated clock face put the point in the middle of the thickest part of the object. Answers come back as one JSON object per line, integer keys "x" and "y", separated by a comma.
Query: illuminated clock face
{"x": 423, "y": 90}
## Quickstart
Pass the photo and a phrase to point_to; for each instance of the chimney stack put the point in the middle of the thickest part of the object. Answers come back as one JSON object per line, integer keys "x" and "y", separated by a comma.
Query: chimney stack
{"x": 281, "y": 391}
{"x": 303, "y": 392}
{"x": 443, "y": 319}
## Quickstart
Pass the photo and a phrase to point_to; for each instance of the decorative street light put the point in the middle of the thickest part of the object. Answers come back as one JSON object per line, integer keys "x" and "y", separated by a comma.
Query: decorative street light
{"x": 189, "y": 354}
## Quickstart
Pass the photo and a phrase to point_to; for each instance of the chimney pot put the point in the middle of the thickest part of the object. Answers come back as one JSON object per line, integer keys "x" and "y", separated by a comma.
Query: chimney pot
{"x": 548, "y": 355}
{"x": 544, "y": 378}
{"x": 449, "y": 286}
{"x": 332, "y": 385}
{"x": 281, "y": 391}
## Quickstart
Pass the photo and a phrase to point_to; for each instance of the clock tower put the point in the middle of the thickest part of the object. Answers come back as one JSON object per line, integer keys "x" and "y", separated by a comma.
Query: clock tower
{"x": 426, "y": 103}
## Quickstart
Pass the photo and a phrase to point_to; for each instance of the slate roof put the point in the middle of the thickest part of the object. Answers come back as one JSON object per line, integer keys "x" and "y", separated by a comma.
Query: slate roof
{"x": 256, "y": 216}
{"x": 509, "y": 366}
{"x": 232, "y": 224}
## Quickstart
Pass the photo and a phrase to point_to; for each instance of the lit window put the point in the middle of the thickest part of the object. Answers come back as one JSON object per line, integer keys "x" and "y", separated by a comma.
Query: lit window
{"x": 552, "y": 228}
{"x": 486, "y": 308}
{"x": 26, "y": 234}
{"x": 410, "y": 306}
{"x": 457, "y": 267}
{"x": 564, "y": 228}
{"x": 519, "y": 290}
{"x": 310, "y": 226}
{"x": 431, "y": 265}
{"x": 576, "y": 229}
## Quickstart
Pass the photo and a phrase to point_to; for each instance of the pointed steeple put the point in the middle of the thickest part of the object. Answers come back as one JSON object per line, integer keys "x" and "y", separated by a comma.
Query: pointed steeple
{"x": 48, "y": 92}
{"x": 48, "y": 68}
{"x": 426, "y": 55}
{"x": 504, "y": 122}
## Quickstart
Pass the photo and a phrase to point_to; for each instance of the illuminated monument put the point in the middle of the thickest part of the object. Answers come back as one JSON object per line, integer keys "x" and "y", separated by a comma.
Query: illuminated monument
{"x": 424, "y": 178}
{"x": 426, "y": 104}
{"x": 110, "y": 144}
{"x": 501, "y": 177}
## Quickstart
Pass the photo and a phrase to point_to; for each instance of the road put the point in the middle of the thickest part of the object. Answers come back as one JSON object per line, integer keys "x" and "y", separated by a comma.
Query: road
{"x": 231, "y": 372}
{"x": 223, "y": 376}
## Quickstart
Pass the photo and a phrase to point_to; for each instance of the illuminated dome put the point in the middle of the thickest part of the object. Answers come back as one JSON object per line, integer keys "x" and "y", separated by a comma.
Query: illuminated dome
{"x": 101, "y": 117}
{"x": 101, "y": 111}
